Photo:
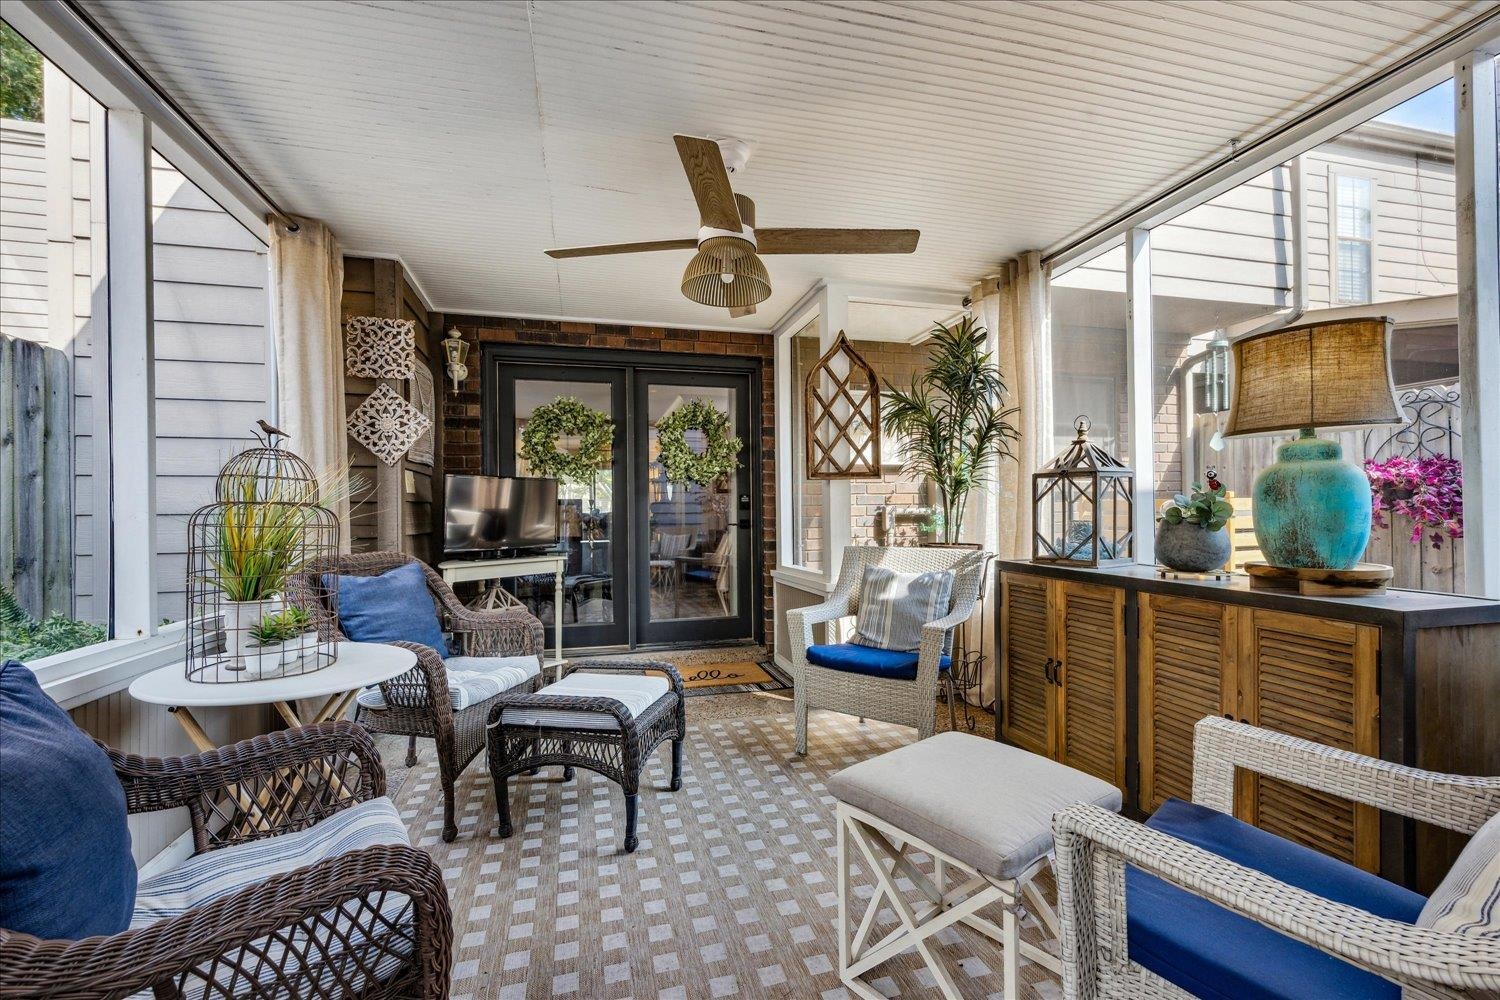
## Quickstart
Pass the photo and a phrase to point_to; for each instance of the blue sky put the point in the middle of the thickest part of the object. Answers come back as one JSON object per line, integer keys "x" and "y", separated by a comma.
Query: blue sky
{"x": 1431, "y": 109}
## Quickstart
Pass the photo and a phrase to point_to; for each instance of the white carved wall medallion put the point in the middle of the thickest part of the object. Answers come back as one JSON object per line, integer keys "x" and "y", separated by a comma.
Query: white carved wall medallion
{"x": 387, "y": 424}
{"x": 377, "y": 347}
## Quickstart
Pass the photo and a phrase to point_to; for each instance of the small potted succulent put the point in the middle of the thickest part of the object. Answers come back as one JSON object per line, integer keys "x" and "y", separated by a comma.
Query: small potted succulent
{"x": 280, "y": 640}
{"x": 1192, "y": 535}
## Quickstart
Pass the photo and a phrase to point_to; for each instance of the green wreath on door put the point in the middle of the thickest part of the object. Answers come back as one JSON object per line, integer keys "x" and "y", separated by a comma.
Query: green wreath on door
{"x": 681, "y": 463}
{"x": 567, "y": 417}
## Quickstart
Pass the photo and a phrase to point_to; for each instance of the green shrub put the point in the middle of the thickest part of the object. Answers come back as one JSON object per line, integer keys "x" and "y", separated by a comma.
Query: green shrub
{"x": 23, "y": 637}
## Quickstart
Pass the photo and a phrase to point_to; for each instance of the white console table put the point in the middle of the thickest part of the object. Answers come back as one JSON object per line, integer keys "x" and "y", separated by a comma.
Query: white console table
{"x": 465, "y": 570}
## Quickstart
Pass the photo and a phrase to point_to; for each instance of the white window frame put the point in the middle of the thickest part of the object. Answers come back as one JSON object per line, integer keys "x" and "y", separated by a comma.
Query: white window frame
{"x": 1335, "y": 236}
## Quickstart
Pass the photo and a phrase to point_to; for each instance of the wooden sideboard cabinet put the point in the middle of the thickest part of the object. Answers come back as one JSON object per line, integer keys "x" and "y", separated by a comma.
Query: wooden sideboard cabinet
{"x": 1108, "y": 670}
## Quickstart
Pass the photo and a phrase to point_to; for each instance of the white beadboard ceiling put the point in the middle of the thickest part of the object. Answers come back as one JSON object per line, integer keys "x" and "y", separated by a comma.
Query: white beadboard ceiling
{"x": 467, "y": 137}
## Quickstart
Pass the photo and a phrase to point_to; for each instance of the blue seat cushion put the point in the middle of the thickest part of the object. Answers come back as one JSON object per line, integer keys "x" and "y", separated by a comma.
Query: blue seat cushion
{"x": 1219, "y": 955}
{"x": 395, "y": 606}
{"x": 852, "y": 658}
{"x": 65, "y": 864}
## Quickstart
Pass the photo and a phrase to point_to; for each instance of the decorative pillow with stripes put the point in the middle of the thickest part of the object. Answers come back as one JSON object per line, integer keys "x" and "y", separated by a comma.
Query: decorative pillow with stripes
{"x": 1467, "y": 901}
{"x": 894, "y": 606}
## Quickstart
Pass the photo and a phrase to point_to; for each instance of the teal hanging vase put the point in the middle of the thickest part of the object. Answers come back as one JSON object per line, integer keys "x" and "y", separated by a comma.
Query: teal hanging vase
{"x": 1312, "y": 508}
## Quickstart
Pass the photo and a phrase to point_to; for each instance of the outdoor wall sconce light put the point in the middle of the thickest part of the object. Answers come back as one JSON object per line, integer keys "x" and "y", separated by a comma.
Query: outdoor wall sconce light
{"x": 456, "y": 349}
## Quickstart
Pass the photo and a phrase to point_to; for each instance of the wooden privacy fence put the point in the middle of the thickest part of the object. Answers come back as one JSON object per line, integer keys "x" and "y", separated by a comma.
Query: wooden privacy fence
{"x": 1432, "y": 428}
{"x": 36, "y": 509}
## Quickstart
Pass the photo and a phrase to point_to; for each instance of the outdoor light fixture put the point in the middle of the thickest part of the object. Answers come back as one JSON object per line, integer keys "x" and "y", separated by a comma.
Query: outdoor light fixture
{"x": 457, "y": 349}
{"x": 725, "y": 282}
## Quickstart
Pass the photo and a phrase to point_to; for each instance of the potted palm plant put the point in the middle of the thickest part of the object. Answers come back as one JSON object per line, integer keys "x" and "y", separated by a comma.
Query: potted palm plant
{"x": 952, "y": 420}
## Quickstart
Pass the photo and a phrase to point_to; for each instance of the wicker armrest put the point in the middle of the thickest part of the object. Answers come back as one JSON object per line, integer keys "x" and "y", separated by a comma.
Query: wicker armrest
{"x": 213, "y": 940}
{"x": 1455, "y": 802}
{"x": 498, "y": 632}
{"x": 800, "y": 622}
{"x": 333, "y": 766}
{"x": 1095, "y": 845}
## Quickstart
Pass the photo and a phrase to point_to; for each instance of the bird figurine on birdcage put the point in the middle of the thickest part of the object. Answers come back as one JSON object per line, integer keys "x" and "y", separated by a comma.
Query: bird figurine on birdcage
{"x": 267, "y": 522}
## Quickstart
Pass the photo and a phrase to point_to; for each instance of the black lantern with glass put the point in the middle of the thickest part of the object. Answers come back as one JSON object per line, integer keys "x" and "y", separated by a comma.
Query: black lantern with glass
{"x": 1082, "y": 507}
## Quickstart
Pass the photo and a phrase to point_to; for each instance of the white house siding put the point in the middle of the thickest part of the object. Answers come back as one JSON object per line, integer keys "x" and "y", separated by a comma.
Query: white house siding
{"x": 212, "y": 379}
{"x": 23, "y": 234}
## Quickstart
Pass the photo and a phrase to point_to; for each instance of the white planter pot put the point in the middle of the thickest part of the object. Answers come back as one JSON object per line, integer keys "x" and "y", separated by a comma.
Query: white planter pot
{"x": 239, "y": 618}
{"x": 293, "y": 650}
{"x": 264, "y": 661}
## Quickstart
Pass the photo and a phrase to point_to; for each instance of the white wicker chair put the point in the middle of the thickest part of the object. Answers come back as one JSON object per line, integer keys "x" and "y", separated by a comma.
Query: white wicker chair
{"x": 1094, "y": 847}
{"x": 904, "y": 702}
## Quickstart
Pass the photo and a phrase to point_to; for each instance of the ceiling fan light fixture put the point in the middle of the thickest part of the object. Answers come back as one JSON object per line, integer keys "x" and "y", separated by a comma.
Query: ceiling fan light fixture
{"x": 748, "y": 283}
{"x": 727, "y": 247}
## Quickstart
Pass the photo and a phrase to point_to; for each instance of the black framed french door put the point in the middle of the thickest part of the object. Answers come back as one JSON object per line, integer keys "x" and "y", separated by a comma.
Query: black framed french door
{"x": 593, "y": 516}
{"x": 696, "y": 577}
{"x": 648, "y": 562}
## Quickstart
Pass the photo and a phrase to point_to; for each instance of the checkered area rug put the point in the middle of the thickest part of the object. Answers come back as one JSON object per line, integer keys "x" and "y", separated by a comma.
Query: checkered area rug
{"x": 732, "y": 892}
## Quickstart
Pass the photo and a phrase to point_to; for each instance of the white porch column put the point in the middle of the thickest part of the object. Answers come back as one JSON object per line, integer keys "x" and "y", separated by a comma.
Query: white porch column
{"x": 132, "y": 389}
{"x": 1478, "y": 315}
{"x": 1139, "y": 392}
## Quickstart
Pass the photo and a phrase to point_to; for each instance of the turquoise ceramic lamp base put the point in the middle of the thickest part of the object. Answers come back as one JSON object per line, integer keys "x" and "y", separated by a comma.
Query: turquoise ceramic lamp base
{"x": 1312, "y": 508}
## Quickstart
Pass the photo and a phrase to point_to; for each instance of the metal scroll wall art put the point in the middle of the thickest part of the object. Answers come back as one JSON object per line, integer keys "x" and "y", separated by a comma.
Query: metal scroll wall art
{"x": 842, "y": 400}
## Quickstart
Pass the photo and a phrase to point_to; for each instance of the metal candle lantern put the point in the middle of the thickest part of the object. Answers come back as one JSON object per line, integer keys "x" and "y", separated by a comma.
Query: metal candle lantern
{"x": 1082, "y": 505}
{"x": 265, "y": 525}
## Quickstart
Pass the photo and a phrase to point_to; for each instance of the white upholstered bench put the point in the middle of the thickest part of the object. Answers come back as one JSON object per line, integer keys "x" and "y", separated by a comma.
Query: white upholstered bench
{"x": 982, "y": 811}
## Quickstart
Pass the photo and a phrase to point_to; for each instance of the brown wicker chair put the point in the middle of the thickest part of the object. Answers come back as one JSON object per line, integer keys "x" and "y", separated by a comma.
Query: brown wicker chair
{"x": 418, "y": 702}
{"x": 316, "y": 931}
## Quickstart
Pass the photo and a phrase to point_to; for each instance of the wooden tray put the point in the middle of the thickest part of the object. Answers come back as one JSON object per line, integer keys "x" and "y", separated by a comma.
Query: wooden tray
{"x": 1364, "y": 580}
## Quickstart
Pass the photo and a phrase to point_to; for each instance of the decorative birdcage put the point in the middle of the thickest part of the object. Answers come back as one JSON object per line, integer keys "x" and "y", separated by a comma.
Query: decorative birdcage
{"x": 265, "y": 525}
{"x": 1082, "y": 506}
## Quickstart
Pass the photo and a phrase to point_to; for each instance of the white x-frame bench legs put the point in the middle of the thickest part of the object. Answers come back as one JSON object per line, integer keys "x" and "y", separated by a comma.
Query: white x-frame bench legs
{"x": 884, "y": 851}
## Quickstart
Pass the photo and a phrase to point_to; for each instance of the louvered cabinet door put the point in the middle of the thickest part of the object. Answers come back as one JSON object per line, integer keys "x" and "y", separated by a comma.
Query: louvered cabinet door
{"x": 1186, "y": 662}
{"x": 1089, "y": 732}
{"x": 1316, "y": 679}
{"x": 1026, "y": 694}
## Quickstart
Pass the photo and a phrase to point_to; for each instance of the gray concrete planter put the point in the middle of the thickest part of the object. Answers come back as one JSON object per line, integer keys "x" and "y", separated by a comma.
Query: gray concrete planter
{"x": 1191, "y": 548}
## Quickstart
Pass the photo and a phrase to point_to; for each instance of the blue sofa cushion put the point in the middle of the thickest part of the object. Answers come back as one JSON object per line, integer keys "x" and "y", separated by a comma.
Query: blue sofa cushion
{"x": 65, "y": 864}
{"x": 395, "y": 606}
{"x": 852, "y": 658}
{"x": 1219, "y": 955}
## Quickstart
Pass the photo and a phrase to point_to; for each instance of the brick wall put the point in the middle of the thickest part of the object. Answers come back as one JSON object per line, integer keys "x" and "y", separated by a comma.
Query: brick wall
{"x": 896, "y": 363}
{"x": 462, "y": 415}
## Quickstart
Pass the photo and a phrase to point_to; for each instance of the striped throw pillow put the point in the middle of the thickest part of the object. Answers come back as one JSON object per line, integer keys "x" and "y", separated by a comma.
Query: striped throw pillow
{"x": 1467, "y": 901}
{"x": 894, "y": 606}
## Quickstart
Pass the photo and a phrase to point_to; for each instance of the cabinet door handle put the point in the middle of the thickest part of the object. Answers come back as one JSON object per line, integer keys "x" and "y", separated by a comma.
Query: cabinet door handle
{"x": 1057, "y": 674}
{"x": 1047, "y": 669}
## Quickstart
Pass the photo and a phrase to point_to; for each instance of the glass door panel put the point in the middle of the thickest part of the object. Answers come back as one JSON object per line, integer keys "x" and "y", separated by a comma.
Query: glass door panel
{"x": 697, "y": 535}
{"x": 591, "y": 522}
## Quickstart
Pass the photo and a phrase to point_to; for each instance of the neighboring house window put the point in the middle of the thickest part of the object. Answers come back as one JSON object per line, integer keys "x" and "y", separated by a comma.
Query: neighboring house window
{"x": 1353, "y": 238}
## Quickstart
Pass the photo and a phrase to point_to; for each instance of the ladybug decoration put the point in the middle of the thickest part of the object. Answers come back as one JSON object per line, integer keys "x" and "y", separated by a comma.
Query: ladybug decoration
{"x": 1213, "y": 480}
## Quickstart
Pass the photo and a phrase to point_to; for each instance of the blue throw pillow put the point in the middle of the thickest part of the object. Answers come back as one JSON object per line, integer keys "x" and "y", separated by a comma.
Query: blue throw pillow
{"x": 65, "y": 864}
{"x": 395, "y": 606}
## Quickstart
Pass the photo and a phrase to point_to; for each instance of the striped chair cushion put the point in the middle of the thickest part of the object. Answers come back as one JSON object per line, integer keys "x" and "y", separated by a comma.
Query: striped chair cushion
{"x": 473, "y": 679}
{"x": 636, "y": 692}
{"x": 218, "y": 874}
{"x": 1467, "y": 900}
{"x": 894, "y": 606}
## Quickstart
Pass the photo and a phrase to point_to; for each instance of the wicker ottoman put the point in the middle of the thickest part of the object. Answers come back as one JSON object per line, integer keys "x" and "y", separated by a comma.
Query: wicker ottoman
{"x": 982, "y": 812}
{"x": 606, "y": 716}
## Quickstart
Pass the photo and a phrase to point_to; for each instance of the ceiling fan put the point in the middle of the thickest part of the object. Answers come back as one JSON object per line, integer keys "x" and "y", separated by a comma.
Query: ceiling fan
{"x": 727, "y": 271}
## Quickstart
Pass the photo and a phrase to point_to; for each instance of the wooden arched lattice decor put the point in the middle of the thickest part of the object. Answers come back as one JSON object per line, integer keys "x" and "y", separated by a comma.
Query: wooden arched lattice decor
{"x": 842, "y": 415}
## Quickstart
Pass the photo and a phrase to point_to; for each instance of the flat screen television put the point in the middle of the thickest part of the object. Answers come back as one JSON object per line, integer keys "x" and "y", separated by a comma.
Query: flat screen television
{"x": 499, "y": 512}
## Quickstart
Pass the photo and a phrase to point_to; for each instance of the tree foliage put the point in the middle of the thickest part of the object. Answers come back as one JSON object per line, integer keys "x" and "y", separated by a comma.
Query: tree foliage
{"x": 23, "y": 637}
{"x": 20, "y": 77}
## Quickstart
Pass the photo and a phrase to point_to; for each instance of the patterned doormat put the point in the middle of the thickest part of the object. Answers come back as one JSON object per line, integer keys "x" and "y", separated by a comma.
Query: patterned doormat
{"x": 732, "y": 892}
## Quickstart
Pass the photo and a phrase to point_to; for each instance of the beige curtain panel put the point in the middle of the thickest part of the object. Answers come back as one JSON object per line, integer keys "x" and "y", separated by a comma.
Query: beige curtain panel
{"x": 308, "y": 280}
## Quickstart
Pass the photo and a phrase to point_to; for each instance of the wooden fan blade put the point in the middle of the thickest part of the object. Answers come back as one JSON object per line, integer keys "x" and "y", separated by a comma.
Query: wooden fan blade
{"x": 710, "y": 181}
{"x": 747, "y": 209}
{"x": 737, "y": 311}
{"x": 610, "y": 248}
{"x": 836, "y": 240}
